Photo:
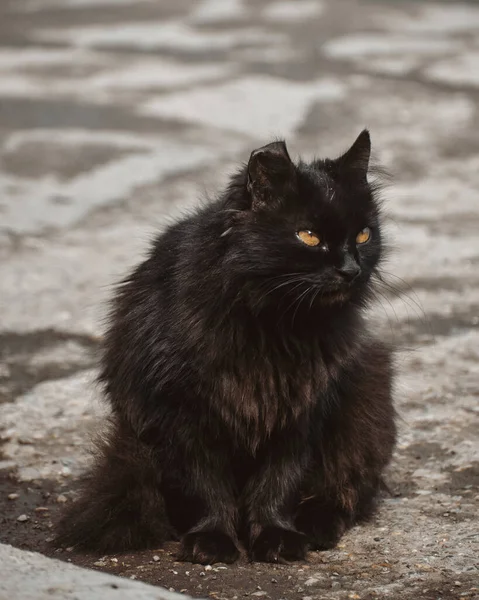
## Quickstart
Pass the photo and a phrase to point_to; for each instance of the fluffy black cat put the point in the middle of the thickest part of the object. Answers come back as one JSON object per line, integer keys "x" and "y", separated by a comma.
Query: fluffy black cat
{"x": 249, "y": 401}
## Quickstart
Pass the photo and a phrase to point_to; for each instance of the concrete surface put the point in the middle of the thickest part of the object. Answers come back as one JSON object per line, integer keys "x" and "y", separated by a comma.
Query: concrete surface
{"x": 115, "y": 115}
{"x": 52, "y": 579}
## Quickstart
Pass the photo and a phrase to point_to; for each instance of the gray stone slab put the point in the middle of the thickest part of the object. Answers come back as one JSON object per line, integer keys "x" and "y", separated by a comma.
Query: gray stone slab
{"x": 31, "y": 576}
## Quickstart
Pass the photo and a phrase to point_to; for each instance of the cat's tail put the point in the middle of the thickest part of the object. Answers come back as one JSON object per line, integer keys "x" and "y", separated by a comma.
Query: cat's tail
{"x": 120, "y": 506}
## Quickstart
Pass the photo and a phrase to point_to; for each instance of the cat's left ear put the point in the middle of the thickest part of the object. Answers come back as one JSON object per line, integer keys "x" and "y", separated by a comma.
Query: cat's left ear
{"x": 356, "y": 160}
{"x": 271, "y": 175}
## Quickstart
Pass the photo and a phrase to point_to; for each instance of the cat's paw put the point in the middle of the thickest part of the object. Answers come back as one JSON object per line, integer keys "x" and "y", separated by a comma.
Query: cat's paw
{"x": 326, "y": 537}
{"x": 323, "y": 528}
{"x": 275, "y": 544}
{"x": 208, "y": 547}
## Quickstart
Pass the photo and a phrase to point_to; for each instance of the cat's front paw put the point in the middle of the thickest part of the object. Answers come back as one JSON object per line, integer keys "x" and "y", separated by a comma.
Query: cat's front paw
{"x": 275, "y": 544}
{"x": 326, "y": 537}
{"x": 323, "y": 528}
{"x": 207, "y": 548}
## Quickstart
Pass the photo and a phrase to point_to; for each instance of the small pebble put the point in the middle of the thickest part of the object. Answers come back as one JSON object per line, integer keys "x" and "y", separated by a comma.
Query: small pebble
{"x": 457, "y": 583}
{"x": 23, "y": 518}
{"x": 25, "y": 441}
{"x": 274, "y": 580}
{"x": 311, "y": 581}
{"x": 62, "y": 499}
{"x": 13, "y": 496}
{"x": 202, "y": 574}
{"x": 40, "y": 509}
{"x": 208, "y": 568}
{"x": 156, "y": 558}
{"x": 115, "y": 560}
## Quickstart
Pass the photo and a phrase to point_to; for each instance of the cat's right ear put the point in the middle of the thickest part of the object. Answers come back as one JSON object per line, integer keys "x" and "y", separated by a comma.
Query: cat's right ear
{"x": 355, "y": 161}
{"x": 271, "y": 175}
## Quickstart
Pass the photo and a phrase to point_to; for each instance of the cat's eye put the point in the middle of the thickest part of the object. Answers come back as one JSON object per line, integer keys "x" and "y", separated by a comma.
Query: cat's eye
{"x": 363, "y": 236}
{"x": 308, "y": 237}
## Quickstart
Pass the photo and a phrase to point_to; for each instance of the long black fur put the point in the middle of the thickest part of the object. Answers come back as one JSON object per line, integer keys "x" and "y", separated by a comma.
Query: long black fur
{"x": 248, "y": 399}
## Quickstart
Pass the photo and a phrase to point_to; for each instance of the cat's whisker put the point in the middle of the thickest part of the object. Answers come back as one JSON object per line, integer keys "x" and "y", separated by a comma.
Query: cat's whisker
{"x": 269, "y": 280}
{"x": 402, "y": 346}
{"x": 271, "y": 291}
{"x": 289, "y": 282}
{"x": 411, "y": 303}
{"x": 314, "y": 296}
{"x": 377, "y": 296}
{"x": 400, "y": 293}
{"x": 378, "y": 291}
{"x": 302, "y": 282}
{"x": 301, "y": 298}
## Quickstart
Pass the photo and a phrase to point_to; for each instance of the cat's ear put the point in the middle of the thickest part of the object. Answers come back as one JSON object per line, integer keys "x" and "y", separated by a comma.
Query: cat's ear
{"x": 271, "y": 175}
{"x": 356, "y": 160}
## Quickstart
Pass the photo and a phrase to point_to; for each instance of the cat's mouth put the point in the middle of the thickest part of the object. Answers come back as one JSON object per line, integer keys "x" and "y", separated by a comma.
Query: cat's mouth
{"x": 335, "y": 296}
{"x": 338, "y": 292}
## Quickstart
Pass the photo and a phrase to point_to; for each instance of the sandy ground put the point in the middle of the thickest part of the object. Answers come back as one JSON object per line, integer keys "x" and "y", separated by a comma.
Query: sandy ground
{"x": 115, "y": 115}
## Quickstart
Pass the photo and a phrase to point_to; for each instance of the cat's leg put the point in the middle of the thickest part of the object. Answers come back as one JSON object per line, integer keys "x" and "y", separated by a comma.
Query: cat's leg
{"x": 208, "y": 478}
{"x": 326, "y": 514}
{"x": 269, "y": 499}
{"x": 350, "y": 450}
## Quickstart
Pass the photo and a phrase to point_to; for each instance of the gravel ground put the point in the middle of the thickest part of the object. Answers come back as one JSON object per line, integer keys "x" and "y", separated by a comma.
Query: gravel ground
{"x": 115, "y": 116}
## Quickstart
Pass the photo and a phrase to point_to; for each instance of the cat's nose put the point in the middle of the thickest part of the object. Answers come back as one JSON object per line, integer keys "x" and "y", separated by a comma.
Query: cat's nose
{"x": 349, "y": 270}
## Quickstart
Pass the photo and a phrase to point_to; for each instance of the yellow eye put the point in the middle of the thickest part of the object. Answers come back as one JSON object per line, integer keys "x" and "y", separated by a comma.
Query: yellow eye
{"x": 308, "y": 238}
{"x": 363, "y": 236}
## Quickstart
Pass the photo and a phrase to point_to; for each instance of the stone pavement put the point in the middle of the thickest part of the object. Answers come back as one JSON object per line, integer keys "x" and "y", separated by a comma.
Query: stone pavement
{"x": 115, "y": 115}
{"x": 50, "y": 579}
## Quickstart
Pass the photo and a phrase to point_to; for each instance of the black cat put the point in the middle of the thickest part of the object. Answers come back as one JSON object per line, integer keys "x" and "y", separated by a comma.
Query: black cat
{"x": 248, "y": 399}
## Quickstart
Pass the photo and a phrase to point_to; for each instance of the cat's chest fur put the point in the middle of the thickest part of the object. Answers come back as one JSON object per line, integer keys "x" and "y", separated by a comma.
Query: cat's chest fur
{"x": 266, "y": 389}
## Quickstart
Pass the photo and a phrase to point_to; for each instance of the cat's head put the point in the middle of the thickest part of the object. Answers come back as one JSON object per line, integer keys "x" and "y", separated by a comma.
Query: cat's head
{"x": 309, "y": 231}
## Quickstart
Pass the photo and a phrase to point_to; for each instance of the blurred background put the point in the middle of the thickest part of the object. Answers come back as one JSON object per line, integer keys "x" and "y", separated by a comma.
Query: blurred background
{"x": 115, "y": 115}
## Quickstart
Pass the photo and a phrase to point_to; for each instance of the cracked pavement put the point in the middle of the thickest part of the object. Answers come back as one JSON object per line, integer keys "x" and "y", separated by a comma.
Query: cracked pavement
{"x": 115, "y": 116}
